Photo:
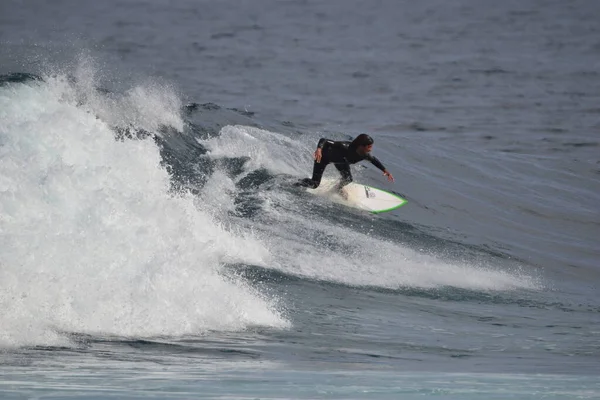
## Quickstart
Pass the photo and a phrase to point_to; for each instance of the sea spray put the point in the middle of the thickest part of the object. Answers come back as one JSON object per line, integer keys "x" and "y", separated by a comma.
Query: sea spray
{"x": 92, "y": 239}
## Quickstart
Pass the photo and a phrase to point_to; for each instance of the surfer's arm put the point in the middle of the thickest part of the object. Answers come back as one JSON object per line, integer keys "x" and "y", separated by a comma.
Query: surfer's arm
{"x": 319, "y": 150}
{"x": 379, "y": 165}
{"x": 323, "y": 142}
{"x": 375, "y": 162}
{"x": 320, "y": 146}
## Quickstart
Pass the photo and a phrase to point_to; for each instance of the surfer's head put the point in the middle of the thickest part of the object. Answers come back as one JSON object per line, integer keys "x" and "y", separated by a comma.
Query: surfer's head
{"x": 363, "y": 144}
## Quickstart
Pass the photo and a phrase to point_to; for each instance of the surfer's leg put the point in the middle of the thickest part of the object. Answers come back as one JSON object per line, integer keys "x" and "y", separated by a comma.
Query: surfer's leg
{"x": 318, "y": 169}
{"x": 344, "y": 169}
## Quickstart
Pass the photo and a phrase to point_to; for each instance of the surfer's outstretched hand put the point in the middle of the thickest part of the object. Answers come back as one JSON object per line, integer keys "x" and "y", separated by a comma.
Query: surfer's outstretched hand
{"x": 389, "y": 176}
{"x": 318, "y": 155}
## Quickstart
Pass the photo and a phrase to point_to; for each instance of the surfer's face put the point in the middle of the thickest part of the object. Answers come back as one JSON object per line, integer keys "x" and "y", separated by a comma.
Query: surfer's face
{"x": 362, "y": 150}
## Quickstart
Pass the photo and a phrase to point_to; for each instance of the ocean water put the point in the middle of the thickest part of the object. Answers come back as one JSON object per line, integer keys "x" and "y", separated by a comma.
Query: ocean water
{"x": 152, "y": 245}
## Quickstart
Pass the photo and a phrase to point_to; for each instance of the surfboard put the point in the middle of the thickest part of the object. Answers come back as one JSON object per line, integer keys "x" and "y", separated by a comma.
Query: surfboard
{"x": 362, "y": 197}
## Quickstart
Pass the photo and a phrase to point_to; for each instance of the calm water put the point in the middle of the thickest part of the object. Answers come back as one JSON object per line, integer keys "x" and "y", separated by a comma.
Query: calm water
{"x": 152, "y": 245}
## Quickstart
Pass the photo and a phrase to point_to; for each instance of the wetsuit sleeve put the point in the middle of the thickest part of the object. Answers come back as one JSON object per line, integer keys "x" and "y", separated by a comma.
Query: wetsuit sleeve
{"x": 323, "y": 142}
{"x": 375, "y": 162}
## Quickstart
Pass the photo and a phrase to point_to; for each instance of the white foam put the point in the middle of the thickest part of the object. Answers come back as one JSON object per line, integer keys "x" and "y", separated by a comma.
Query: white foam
{"x": 360, "y": 258}
{"x": 264, "y": 149}
{"x": 91, "y": 239}
{"x": 218, "y": 194}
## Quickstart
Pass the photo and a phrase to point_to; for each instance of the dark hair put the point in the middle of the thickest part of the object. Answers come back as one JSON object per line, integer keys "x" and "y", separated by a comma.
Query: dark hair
{"x": 362, "y": 140}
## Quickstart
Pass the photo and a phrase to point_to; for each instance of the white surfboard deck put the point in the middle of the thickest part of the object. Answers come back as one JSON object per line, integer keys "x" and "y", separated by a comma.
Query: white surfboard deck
{"x": 360, "y": 196}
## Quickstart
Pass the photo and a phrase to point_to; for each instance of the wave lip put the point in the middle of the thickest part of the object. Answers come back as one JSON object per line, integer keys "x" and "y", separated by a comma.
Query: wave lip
{"x": 93, "y": 241}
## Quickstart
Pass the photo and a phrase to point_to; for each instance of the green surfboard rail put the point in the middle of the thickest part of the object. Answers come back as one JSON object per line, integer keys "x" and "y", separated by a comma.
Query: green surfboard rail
{"x": 404, "y": 201}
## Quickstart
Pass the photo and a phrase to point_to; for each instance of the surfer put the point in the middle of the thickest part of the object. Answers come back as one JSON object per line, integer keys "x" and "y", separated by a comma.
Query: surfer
{"x": 342, "y": 154}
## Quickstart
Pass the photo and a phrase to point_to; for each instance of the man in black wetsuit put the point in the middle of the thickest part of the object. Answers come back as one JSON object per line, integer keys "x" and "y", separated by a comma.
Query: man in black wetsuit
{"x": 342, "y": 154}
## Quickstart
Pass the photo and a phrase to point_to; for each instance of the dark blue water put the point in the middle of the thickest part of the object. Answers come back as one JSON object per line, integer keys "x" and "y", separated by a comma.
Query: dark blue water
{"x": 153, "y": 246}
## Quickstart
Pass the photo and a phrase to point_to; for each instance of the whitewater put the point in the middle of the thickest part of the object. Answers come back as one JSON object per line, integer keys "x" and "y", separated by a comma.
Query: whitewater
{"x": 93, "y": 239}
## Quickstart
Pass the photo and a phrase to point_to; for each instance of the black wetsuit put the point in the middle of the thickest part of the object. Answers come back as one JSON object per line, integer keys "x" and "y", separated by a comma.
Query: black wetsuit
{"x": 340, "y": 154}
